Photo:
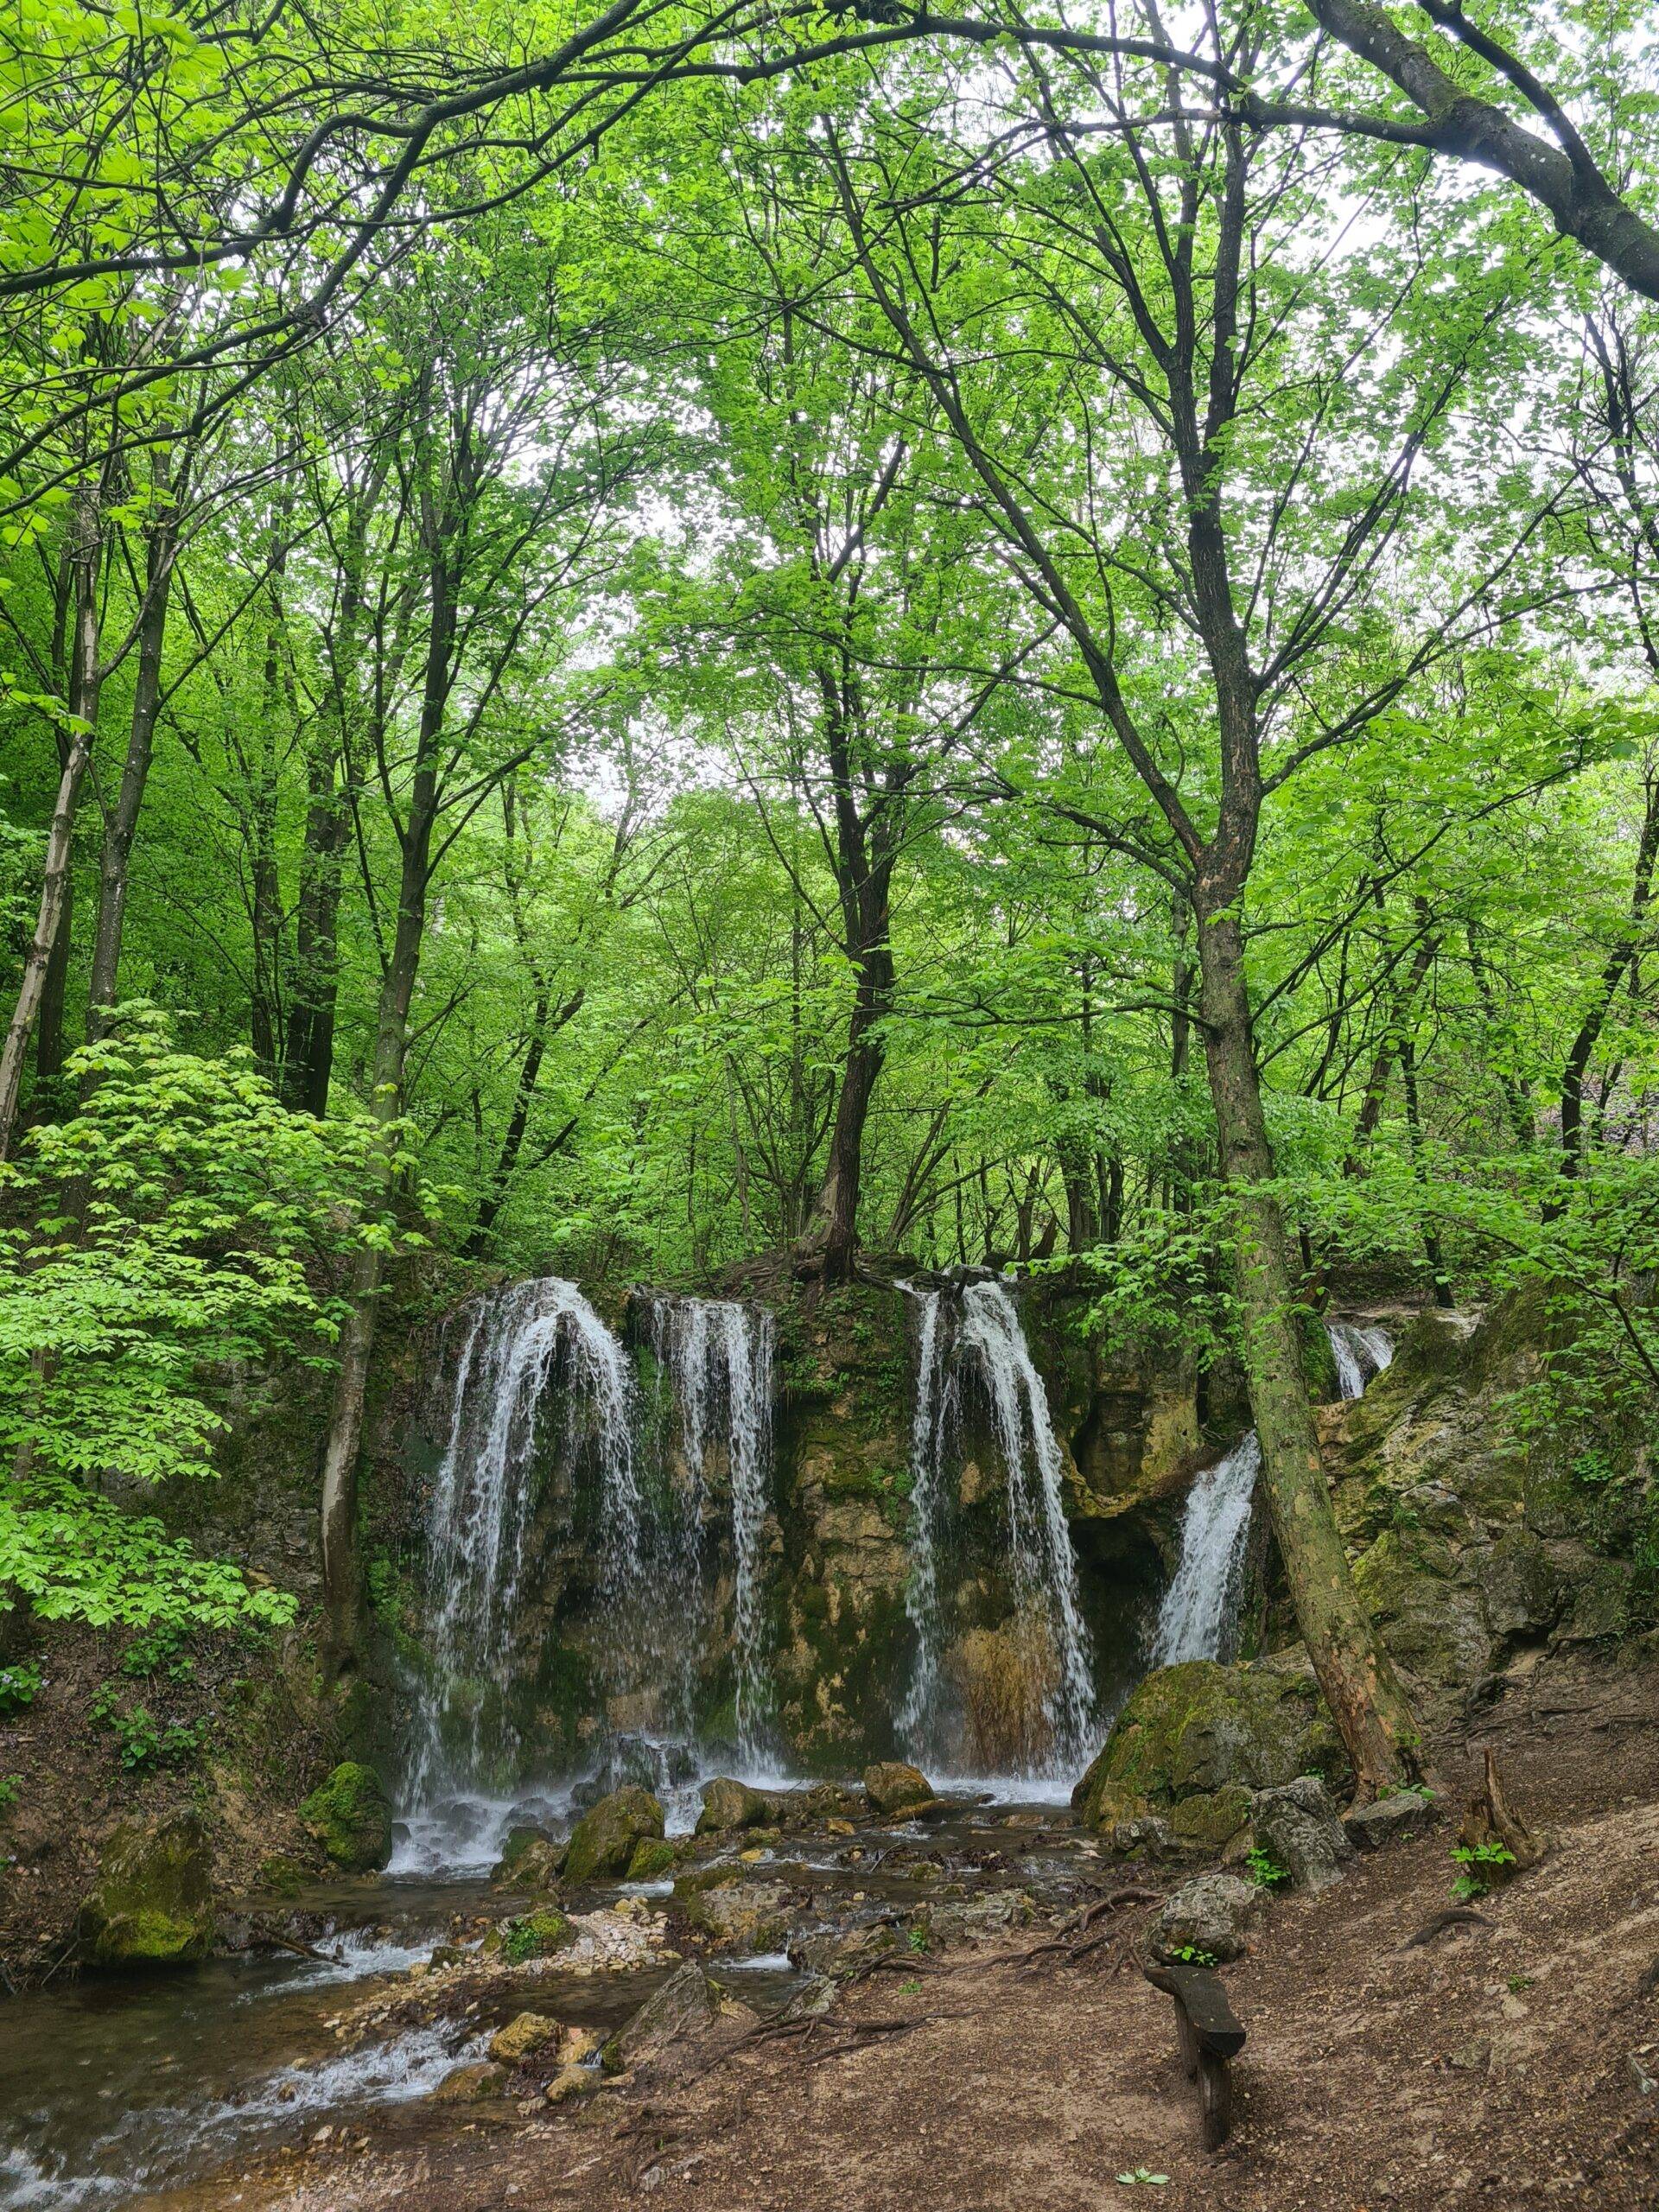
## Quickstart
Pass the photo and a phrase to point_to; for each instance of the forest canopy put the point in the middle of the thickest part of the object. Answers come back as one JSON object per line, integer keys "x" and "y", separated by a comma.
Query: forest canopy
{"x": 638, "y": 637}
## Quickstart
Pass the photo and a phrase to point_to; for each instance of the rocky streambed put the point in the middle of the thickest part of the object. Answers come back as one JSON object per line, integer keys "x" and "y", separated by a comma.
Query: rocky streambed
{"x": 378, "y": 2003}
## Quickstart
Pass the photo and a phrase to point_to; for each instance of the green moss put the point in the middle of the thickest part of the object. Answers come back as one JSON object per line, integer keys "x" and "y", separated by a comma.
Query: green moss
{"x": 351, "y": 1818}
{"x": 536, "y": 1935}
{"x": 652, "y": 1857}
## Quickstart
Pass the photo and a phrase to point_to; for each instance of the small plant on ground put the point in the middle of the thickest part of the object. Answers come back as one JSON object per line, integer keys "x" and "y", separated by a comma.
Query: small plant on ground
{"x": 141, "y": 1741}
{"x": 1481, "y": 1868}
{"x": 1517, "y": 1982}
{"x": 11, "y": 1783}
{"x": 1190, "y": 1955}
{"x": 159, "y": 1650}
{"x": 918, "y": 1940}
{"x": 1265, "y": 1871}
{"x": 910, "y": 1989}
{"x": 1144, "y": 2175}
{"x": 20, "y": 1685}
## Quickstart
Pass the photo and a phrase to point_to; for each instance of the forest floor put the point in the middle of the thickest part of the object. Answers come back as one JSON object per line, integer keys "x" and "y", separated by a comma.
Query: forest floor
{"x": 1497, "y": 2065}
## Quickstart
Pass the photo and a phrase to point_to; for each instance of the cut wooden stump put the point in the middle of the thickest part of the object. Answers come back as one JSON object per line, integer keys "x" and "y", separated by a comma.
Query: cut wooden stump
{"x": 1492, "y": 1819}
{"x": 1210, "y": 2036}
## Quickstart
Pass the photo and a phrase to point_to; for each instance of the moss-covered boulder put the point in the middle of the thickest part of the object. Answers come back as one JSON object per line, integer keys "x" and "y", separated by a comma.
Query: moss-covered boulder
{"x": 727, "y": 1804}
{"x": 744, "y": 1915}
{"x": 602, "y": 1842}
{"x": 652, "y": 1859}
{"x": 1202, "y": 1729}
{"x": 893, "y": 1787}
{"x": 530, "y": 1859}
{"x": 530, "y": 1936}
{"x": 153, "y": 1905}
{"x": 350, "y": 1817}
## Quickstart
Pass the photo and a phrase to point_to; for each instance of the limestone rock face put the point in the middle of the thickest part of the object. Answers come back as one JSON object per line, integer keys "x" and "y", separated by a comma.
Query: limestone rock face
{"x": 1002, "y": 1678}
{"x": 892, "y": 1787}
{"x": 727, "y": 1805}
{"x": 742, "y": 1915}
{"x": 153, "y": 1905}
{"x": 683, "y": 2007}
{"x": 603, "y": 1841}
{"x": 1213, "y": 1914}
{"x": 1297, "y": 1826}
{"x": 350, "y": 1817}
{"x": 1199, "y": 1729}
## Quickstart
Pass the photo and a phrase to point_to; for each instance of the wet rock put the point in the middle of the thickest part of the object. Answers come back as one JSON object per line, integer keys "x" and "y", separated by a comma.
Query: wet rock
{"x": 742, "y": 1915}
{"x": 634, "y": 1761}
{"x": 1299, "y": 1828}
{"x": 1004, "y": 1679}
{"x": 530, "y": 1859}
{"x": 603, "y": 1841}
{"x": 835, "y": 1953}
{"x": 1196, "y": 1729}
{"x": 283, "y": 1876}
{"x": 530, "y": 1936}
{"x": 1210, "y": 1820}
{"x": 1212, "y": 1914}
{"x": 684, "y": 2006}
{"x": 978, "y": 1920}
{"x": 527, "y": 2032}
{"x": 727, "y": 1805}
{"x": 471, "y": 2084}
{"x": 350, "y": 1817}
{"x": 652, "y": 1859}
{"x": 153, "y": 1905}
{"x": 893, "y": 1787}
{"x": 1408, "y": 1812}
{"x": 572, "y": 2081}
{"x": 577, "y": 2045}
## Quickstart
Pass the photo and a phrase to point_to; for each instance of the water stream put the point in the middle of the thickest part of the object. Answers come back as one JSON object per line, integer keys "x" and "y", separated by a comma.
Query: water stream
{"x": 975, "y": 1334}
{"x": 1361, "y": 1350}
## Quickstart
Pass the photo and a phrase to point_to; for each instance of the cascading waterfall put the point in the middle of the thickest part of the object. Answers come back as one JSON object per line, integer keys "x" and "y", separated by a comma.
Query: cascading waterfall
{"x": 718, "y": 1355}
{"x": 988, "y": 1340}
{"x": 1360, "y": 1352}
{"x": 1199, "y": 1618}
{"x": 512, "y": 1341}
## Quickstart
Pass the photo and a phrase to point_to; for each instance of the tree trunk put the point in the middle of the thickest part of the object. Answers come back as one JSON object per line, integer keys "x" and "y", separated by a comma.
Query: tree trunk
{"x": 1354, "y": 1672}
{"x": 55, "y": 887}
{"x": 121, "y": 827}
{"x": 837, "y": 1220}
{"x": 308, "y": 1061}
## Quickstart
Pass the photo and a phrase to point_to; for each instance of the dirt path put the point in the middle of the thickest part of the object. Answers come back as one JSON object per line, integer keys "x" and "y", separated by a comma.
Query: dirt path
{"x": 1489, "y": 2067}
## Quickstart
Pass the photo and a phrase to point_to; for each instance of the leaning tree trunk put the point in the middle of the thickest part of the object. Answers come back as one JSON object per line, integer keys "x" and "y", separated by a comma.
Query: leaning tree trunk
{"x": 1354, "y": 1671}
{"x": 55, "y": 885}
{"x": 835, "y": 1230}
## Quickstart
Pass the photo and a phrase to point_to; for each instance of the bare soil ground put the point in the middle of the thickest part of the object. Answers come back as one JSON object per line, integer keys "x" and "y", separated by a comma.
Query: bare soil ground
{"x": 1489, "y": 2067}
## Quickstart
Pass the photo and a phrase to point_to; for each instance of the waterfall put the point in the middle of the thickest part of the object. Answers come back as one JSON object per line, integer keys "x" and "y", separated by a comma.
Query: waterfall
{"x": 510, "y": 1341}
{"x": 1360, "y": 1352}
{"x": 917, "y": 1716}
{"x": 1199, "y": 1618}
{"x": 718, "y": 1356}
{"x": 988, "y": 1341}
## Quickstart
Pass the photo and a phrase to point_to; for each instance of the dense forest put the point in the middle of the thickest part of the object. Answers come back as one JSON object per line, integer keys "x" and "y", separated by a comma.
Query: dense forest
{"x": 776, "y": 649}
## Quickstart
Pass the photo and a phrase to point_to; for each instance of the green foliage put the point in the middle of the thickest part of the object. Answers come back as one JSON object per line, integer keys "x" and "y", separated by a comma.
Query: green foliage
{"x": 20, "y": 1685}
{"x": 1191, "y": 1954}
{"x": 1265, "y": 1871}
{"x": 141, "y": 1742}
{"x": 1482, "y": 1866}
{"x": 10, "y": 1790}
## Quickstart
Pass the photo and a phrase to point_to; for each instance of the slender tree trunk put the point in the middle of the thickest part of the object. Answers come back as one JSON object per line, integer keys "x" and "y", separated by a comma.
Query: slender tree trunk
{"x": 838, "y": 1209}
{"x": 1431, "y": 1249}
{"x": 1354, "y": 1672}
{"x": 122, "y": 825}
{"x": 60, "y": 844}
{"x": 308, "y": 1061}
{"x": 50, "y": 1051}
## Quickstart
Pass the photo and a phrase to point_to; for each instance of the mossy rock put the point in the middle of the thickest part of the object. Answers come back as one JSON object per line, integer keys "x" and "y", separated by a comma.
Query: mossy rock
{"x": 727, "y": 1804}
{"x": 350, "y": 1817}
{"x": 532, "y": 1936}
{"x": 530, "y": 1859}
{"x": 1211, "y": 1820}
{"x": 603, "y": 1841}
{"x": 153, "y": 1905}
{"x": 1428, "y": 1611}
{"x": 283, "y": 1876}
{"x": 1200, "y": 1729}
{"x": 652, "y": 1859}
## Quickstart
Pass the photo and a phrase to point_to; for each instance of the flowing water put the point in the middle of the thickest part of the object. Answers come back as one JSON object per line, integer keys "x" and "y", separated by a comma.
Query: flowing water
{"x": 978, "y": 1334}
{"x": 1199, "y": 1618}
{"x": 512, "y": 1344}
{"x": 1361, "y": 1351}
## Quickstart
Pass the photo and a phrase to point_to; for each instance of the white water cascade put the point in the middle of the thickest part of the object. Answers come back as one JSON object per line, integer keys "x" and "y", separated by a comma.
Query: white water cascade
{"x": 1199, "y": 1618}
{"x": 512, "y": 1343}
{"x": 1361, "y": 1353}
{"x": 718, "y": 1354}
{"x": 988, "y": 1341}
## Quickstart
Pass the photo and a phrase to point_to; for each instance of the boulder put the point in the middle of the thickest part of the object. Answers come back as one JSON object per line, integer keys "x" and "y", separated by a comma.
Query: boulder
{"x": 1200, "y": 1728}
{"x": 153, "y": 1905}
{"x": 571, "y": 2081}
{"x": 893, "y": 1787}
{"x": 1408, "y": 1812}
{"x": 527, "y": 2032}
{"x": 1212, "y": 1914}
{"x": 1205, "y": 1823}
{"x": 742, "y": 1915}
{"x": 350, "y": 1817}
{"x": 1299, "y": 1828}
{"x": 531, "y": 1935}
{"x": 729, "y": 1805}
{"x": 602, "y": 1841}
{"x": 683, "y": 2007}
{"x": 530, "y": 1859}
{"x": 834, "y": 1953}
{"x": 652, "y": 1859}
{"x": 471, "y": 2084}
